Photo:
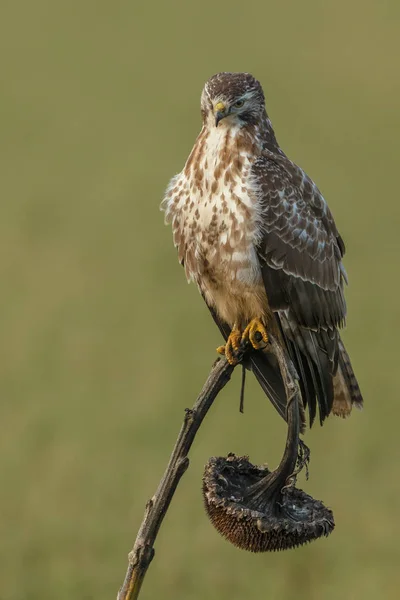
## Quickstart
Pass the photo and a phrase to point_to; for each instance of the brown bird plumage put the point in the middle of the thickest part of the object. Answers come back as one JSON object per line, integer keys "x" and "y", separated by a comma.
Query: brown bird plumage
{"x": 256, "y": 235}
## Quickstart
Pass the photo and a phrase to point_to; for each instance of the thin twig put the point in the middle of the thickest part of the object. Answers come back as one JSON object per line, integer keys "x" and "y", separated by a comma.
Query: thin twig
{"x": 142, "y": 552}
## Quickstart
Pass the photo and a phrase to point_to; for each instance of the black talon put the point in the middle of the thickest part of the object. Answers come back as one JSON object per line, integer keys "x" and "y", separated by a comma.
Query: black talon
{"x": 258, "y": 336}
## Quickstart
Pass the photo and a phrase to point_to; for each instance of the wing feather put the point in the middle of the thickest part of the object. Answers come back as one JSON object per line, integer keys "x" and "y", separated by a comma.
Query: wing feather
{"x": 300, "y": 254}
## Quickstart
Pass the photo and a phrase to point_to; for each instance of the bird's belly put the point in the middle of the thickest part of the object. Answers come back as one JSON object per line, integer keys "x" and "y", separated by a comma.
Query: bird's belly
{"x": 231, "y": 282}
{"x": 236, "y": 302}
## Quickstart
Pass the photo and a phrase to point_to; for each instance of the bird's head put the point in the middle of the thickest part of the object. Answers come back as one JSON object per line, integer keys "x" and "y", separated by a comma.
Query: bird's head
{"x": 235, "y": 97}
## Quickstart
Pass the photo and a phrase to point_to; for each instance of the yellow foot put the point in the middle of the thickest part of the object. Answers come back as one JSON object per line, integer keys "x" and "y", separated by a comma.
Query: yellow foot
{"x": 232, "y": 346}
{"x": 256, "y": 334}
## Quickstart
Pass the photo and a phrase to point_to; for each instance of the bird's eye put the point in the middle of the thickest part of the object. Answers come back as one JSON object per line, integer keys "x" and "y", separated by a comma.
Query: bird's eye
{"x": 239, "y": 104}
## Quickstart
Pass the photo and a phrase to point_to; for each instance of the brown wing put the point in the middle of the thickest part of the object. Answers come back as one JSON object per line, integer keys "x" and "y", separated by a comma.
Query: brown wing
{"x": 300, "y": 255}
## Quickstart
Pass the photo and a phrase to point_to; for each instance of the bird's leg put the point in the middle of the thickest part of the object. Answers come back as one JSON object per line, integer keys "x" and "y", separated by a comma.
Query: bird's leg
{"x": 256, "y": 334}
{"x": 232, "y": 345}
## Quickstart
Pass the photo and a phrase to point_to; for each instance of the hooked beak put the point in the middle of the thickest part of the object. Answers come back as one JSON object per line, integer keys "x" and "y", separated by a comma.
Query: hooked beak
{"x": 218, "y": 117}
{"x": 220, "y": 112}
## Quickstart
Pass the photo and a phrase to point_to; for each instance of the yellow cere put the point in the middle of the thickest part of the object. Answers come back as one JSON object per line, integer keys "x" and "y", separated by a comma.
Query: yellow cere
{"x": 219, "y": 107}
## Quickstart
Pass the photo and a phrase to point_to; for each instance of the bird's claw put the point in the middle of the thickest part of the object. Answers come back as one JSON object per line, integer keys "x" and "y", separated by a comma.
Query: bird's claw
{"x": 255, "y": 334}
{"x": 232, "y": 346}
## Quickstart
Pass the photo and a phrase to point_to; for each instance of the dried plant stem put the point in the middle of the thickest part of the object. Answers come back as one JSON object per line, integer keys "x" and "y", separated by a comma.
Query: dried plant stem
{"x": 142, "y": 552}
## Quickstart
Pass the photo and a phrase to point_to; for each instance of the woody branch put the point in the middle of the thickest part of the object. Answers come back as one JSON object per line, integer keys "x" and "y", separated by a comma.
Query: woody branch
{"x": 142, "y": 552}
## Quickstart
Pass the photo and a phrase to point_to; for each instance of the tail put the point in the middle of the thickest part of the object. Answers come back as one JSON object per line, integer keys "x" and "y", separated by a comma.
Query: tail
{"x": 345, "y": 386}
{"x": 326, "y": 376}
{"x": 314, "y": 356}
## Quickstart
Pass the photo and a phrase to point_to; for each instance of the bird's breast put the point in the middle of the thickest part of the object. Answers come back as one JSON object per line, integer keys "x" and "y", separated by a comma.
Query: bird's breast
{"x": 215, "y": 214}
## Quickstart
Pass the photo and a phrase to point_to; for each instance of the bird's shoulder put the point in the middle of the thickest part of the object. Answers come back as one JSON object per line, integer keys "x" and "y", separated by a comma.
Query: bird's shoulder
{"x": 289, "y": 196}
{"x": 279, "y": 176}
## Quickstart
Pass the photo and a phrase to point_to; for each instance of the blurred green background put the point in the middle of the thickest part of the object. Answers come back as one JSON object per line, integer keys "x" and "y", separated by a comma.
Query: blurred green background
{"x": 103, "y": 344}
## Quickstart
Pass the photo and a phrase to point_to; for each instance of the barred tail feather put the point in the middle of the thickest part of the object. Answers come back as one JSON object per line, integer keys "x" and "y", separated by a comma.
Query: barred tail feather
{"x": 346, "y": 389}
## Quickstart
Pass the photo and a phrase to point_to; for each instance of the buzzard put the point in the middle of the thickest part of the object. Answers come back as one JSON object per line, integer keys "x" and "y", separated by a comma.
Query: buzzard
{"x": 255, "y": 234}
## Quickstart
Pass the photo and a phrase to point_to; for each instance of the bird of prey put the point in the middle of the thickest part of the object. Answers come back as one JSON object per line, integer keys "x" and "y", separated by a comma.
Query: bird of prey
{"x": 255, "y": 234}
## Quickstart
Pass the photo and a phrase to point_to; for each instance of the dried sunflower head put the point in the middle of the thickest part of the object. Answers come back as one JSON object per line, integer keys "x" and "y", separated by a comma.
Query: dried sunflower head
{"x": 256, "y": 511}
